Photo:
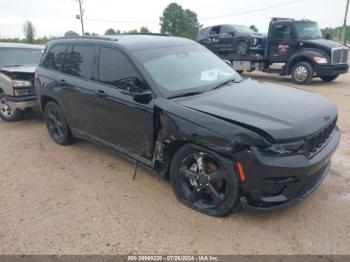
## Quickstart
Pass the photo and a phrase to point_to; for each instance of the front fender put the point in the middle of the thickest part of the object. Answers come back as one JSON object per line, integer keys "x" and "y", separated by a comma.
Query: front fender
{"x": 305, "y": 55}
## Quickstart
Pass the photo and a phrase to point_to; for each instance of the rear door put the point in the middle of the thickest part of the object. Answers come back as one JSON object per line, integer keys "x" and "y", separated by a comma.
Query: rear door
{"x": 214, "y": 39}
{"x": 78, "y": 87}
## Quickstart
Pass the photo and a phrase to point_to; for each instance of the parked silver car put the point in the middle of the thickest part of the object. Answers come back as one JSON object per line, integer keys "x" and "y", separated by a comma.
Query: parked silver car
{"x": 18, "y": 63}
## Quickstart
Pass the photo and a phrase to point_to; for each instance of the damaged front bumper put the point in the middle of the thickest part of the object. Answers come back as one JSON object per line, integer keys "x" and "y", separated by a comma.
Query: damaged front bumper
{"x": 276, "y": 182}
{"x": 21, "y": 102}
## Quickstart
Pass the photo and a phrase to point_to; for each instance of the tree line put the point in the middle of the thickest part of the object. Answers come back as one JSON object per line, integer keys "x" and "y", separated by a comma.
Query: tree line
{"x": 175, "y": 21}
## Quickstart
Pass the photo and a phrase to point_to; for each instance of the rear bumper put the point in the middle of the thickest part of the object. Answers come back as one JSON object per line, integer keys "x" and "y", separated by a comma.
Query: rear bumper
{"x": 330, "y": 70}
{"x": 21, "y": 103}
{"x": 273, "y": 183}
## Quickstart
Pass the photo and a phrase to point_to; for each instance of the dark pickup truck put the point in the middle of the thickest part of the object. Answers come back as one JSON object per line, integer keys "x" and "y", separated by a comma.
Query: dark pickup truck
{"x": 18, "y": 63}
{"x": 291, "y": 47}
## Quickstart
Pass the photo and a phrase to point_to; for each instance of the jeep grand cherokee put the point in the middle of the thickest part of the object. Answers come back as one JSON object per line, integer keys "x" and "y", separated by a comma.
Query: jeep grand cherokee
{"x": 173, "y": 106}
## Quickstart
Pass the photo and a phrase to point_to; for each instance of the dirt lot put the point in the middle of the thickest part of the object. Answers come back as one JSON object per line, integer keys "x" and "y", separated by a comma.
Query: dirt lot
{"x": 81, "y": 199}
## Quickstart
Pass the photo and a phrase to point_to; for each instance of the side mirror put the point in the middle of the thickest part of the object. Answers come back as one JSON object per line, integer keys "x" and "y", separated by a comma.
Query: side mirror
{"x": 328, "y": 36}
{"x": 143, "y": 97}
{"x": 231, "y": 33}
{"x": 133, "y": 86}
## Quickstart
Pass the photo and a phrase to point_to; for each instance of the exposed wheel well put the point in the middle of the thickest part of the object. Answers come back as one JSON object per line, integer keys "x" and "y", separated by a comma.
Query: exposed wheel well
{"x": 297, "y": 60}
{"x": 44, "y": 101}
{"x": 169, "y": 151}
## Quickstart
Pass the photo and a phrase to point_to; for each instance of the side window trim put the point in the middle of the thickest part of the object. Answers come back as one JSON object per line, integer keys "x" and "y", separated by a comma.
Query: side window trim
{"x": 48, "y": 51}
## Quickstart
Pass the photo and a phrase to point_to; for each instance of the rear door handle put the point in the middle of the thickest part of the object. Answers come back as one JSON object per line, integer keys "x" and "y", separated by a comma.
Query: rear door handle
{"x": 100, "y": 93}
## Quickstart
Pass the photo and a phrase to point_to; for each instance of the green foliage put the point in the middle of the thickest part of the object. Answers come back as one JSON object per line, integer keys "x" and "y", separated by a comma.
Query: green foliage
{"x": 29, "y": 31}
{"x": 144, "y": 30}
{"x": 336, "y": 33}
{"x": 179, "y": 22}
{"x": 253, "y": 27}
{"x": 70, "y": 33}
{"x": 134, "y": 31}
{"x": 110, "y": 31}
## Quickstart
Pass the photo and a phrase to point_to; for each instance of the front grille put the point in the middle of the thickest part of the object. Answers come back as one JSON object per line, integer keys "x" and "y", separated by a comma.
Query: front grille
{"x": 314, "y": 143}
{"x": 340, "y": 55}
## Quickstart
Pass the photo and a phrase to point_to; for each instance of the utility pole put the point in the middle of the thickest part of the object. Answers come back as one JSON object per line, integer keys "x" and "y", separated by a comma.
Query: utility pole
{"x": 344, "y": 25}
{"x": 81, "y": 17}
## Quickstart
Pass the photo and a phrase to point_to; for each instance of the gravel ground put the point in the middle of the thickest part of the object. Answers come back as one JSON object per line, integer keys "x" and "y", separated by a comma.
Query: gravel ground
{"x": 81, "y": 199}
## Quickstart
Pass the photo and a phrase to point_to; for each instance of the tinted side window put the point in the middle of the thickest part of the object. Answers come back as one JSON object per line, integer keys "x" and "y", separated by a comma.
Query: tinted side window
{"x": 279, "y": 31}
{"x": 225, "y": 30}
{"x": 114, "y": 66}
{"x": 215, "y": 30}
{"x": 55, "y": 57}
{"x": 83, "y": 61}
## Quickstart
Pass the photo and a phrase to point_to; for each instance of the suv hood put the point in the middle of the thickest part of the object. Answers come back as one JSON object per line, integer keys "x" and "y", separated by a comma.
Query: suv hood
{"x": 19, "y": 69}
{"x": 282, "y": 112}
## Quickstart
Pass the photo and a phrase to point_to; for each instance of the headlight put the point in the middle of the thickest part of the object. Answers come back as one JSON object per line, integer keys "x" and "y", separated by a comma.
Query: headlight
{"x": 320, "y": 60}
{"x": 21, "y": 83}
{"x": 284, "y": 149}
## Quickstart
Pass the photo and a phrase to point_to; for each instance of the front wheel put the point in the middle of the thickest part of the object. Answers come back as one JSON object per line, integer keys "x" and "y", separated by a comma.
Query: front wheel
{"x": 202, "y": 182}
{"x": 6, "y": 112}
{"x": 302, "y": 73}
{"x": 328, "y": 78}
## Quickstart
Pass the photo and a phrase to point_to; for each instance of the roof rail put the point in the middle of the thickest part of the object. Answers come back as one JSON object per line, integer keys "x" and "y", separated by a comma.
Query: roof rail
{"x": 281, "y": 18}
{"x": 87, "y": 37}
{"x": 159, "y": 34}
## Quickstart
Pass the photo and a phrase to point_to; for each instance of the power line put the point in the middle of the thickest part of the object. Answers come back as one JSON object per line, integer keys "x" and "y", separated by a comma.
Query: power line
{"x": 204, "y": 18}
{"x": 253, "y": 10}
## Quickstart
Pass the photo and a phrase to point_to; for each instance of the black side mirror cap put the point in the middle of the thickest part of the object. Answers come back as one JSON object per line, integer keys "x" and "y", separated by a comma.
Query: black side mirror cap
{"x": 143, "y": 97}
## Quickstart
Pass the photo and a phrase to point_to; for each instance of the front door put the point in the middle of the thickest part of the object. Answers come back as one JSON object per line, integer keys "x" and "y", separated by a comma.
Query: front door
{"x": 115, "y": 117}
{"x": 282, "y": 43}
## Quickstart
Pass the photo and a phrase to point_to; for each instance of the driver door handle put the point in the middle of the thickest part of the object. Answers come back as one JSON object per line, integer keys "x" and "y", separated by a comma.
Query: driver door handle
{"x": 100, "y": 93}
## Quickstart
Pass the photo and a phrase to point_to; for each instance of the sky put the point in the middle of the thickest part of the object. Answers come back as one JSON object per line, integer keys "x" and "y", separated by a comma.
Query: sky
{"x": 55, "y": 17}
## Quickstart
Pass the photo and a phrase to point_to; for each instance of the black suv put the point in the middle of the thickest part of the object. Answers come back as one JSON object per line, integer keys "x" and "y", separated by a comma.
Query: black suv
{"x": 227, "y": 38}
{"x": 173, "y": 106}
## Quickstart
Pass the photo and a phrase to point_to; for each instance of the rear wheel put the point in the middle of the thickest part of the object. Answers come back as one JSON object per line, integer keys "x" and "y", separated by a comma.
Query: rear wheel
{"x": 328, "y": 78}
{"x": 6, "y": 112}
{"x": 57, "y": 124}
{"x": 242, "y": 48}
{"x": 202, "y": 182}
{"x": 302, "y": 73}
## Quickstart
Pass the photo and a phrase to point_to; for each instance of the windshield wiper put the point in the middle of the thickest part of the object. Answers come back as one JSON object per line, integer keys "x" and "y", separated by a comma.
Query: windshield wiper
{"x": 185, "y": 94}
{"x": 233, "y": 80}
{"x": 11, "y": 65}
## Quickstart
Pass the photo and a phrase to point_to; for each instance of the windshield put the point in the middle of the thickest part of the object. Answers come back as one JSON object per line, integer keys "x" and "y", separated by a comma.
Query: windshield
{"x": 308, "y": 30}
{"x": 19, "y": 57}
{"x": 243, "y": 29}
{"x": 186, "y": 68}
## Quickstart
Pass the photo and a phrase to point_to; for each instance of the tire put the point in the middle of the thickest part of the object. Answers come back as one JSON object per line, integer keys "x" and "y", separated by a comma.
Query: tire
{"x": 328, "y": 78}
{"x": 302, "y": 73}
{"x": 8, "y": 114}
{"x": 57, "y": 125}
{"x": 242, "y": 48}
{"x": 218, "y": 196}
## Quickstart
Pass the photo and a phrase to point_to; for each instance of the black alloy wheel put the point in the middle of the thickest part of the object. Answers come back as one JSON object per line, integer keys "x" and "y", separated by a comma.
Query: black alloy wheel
{"x": 202, "y": 182}
{"x": 56, "y": 124}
